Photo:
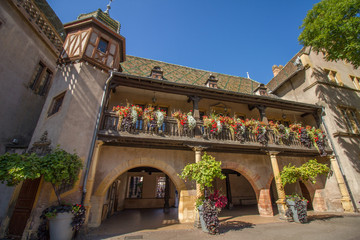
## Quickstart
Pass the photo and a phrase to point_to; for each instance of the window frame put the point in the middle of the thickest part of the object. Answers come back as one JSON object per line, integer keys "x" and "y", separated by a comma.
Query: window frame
{"x": 41, "y": 79}
{"x": 351, "y": 119}
{"x": 356, "y": 81}
{"x": 333, "y": 77}
{"x": 53, "y": 102}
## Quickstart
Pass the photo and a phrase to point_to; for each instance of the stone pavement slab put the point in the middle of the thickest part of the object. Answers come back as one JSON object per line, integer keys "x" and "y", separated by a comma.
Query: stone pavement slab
{"x": 319, "y": 227}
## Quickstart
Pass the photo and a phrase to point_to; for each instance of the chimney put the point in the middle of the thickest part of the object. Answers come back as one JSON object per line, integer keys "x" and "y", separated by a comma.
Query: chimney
{"x": 277, "y": 69}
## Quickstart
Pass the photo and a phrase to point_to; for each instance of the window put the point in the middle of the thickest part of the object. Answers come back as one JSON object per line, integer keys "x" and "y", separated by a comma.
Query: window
{"x": 41, "y": 79}
{"x": 56, "y": 104}
{"x": 356, "y": 81}
{"x": 102, "y": 46}
{"x": 332, "y": 76}
{"x": 135, "y": 187}
{"x": 160, "y": 187}
{"x": 351, "y": 118}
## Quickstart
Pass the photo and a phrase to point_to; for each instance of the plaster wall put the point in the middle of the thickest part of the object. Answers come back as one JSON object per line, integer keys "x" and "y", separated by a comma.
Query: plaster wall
{"x": 21, "y": 50}
{"x": 72, "y": 126}
{"x": 317, "y": 89}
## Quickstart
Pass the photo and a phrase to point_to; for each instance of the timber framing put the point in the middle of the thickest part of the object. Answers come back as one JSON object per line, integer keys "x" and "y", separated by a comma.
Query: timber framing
{"x": 158, "y": 142}
{"x": 121, "y": 79}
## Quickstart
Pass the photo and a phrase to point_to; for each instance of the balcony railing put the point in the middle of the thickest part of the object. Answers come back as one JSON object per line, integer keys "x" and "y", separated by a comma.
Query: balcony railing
{"x": 169, "y": 129}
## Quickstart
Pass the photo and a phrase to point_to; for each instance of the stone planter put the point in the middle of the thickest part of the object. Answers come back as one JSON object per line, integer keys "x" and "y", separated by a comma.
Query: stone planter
{"x": 60, "y": 226}
{"x": 202, "y": 221}
{"x": 298, "y": 215}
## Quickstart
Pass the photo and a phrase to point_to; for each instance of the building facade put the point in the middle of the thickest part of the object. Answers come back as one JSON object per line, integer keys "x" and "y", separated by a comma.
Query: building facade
{"x": 335, "y": 87}
{"x": 31, "y": 38}
{"x": 134, "y": 162}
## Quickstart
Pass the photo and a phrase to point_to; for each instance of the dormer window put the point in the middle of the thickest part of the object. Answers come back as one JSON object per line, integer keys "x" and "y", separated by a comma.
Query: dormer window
{"x": 261, "y": 90}
{"x": 103, "y": 45}
{"x": 212, "y": 82}
{"x": 157, "y": 73}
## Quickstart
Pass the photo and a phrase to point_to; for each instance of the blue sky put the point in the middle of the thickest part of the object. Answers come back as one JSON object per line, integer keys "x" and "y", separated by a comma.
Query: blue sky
{"x": 230, "y": 36}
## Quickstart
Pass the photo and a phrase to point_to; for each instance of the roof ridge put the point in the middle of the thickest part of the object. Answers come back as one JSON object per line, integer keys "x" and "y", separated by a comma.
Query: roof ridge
{"x": 193, "y": 68}
{"x": 287, "y": 63}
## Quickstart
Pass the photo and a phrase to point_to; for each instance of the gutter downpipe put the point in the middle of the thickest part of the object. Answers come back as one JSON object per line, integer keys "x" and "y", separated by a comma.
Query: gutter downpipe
{"x": 337, "y": 159}
{"x": 91, "y": 151}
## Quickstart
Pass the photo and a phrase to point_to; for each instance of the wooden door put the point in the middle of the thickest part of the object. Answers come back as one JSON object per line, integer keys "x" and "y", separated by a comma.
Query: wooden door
{"x": 23, "y": 207}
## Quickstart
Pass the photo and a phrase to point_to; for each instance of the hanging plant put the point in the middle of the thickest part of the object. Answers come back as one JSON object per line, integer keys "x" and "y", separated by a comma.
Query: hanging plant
{"x": 240, "y": 130}
{"x": 281, "y": 133}
{"x": 191, "y": 121}
{"x": 160, "y": 117}
{"x": 210, "y": 124}
{"x": 181, "y": 119}
{"x": 136, "y": 113}
{"x": 260, "y": 130}
{"x": 122, "y": 112}
{"x": 230, "y": 124}
{"x": 149, "y": 117}
{"x": 318, "y": 139}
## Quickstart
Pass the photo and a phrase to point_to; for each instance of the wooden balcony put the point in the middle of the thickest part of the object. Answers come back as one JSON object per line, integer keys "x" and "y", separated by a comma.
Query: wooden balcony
{"x": 169, "y": 136}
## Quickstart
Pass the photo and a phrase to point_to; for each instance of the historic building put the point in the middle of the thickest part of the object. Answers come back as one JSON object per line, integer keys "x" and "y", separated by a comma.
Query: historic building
{"x": 135, "y": 162}
{"x": 31, "y": 39}
{"x": 334, "y": 86}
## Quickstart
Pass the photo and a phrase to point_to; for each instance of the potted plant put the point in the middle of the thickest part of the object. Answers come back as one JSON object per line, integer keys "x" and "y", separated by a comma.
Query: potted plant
{"x": 297, "y": 206}
{"x": 204, "y": 173}
{"x": 57, "y": 167}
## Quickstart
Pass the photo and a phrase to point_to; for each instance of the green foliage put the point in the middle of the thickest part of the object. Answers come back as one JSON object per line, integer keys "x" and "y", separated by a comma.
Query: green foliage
{"x": 306, "y": 172}
{"x": 57, "y": 167}
{"x": 204, "y": 172}
{"x": 333, "y": 27}
{"x": 15, "y": 168}
{"x": 60, "y": 167}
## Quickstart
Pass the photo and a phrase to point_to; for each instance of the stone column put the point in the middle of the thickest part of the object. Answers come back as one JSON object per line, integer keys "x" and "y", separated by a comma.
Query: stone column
{"x": 167, "y": 195}
{"x": 199, "y": 193}
{"x": 345, "y": 196}
{"x": 264, "y": 203}
{"x": 279, "y": 187}
{"x": 91, "y": 178}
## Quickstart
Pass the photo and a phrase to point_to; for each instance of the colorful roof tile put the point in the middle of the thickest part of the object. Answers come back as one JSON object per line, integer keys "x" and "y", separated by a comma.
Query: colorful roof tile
{"x": 284, "y": 73}
{"x": 175, "y": 73}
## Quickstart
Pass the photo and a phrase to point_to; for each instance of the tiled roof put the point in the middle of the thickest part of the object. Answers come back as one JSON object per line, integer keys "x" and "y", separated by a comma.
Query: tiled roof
{"x": 103, "y": 17}
{"x": 175, "y": 73}
{"x": 285, "y": 73}
{"x": 51, "y": 16}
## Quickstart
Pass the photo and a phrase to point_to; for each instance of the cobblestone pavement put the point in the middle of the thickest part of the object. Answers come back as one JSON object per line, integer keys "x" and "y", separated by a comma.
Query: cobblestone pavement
{"x": 325, "y": 226}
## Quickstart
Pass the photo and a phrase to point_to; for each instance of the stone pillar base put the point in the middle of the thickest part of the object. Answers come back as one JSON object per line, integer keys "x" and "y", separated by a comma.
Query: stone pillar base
{"x": 197, "y": 223}
{"x": 347, "y": 205}
{"x": 264, "y": 203}
{"x": 282, "y": 208}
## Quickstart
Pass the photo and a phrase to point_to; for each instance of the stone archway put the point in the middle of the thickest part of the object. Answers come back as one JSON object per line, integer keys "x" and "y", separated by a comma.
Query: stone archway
{"x": 186, "y": 200}
{"x": 262, "y": 191}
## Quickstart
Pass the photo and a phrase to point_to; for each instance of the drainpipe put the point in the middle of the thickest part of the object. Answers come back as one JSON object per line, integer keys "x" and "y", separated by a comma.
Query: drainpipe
{"x": 91, "y": 151}
{"x": 337, "y": 160}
